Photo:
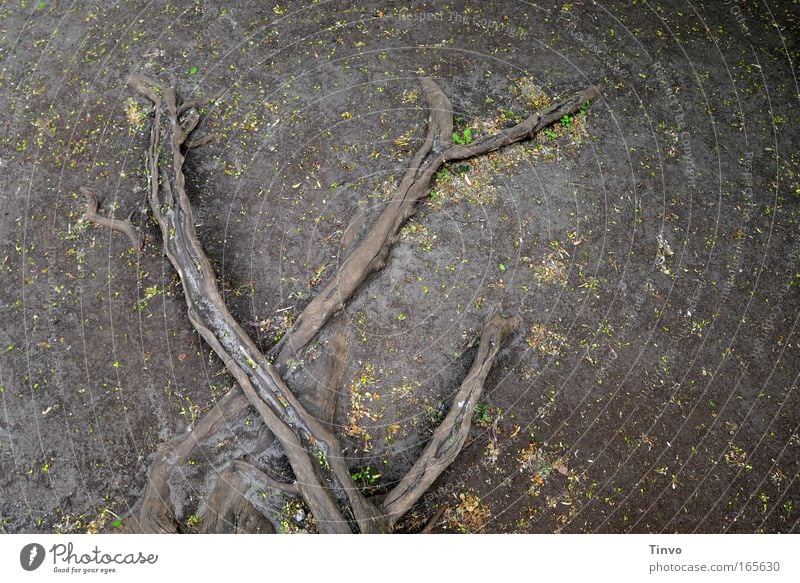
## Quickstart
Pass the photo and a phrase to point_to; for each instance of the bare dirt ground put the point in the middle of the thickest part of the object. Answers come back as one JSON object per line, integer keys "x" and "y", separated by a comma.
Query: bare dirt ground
{"x": 649, "y": 245}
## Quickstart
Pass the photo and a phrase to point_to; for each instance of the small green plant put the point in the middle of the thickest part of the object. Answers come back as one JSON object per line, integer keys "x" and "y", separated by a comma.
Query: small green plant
{"x": 508, "y": 114}
{"x": 190, "y": 411}
{"x": 193, "y": 521}
{"x": 550, "y": 134}
{"x": 482, "y": 415}
{"x": 485, "y": 416}
{"x": 435, "y": 415}
{"x": 366, "y": 479}
{"x": 464, "y": 138}
{"x": 585, "y": 107}
{"x": 566, "y": 120}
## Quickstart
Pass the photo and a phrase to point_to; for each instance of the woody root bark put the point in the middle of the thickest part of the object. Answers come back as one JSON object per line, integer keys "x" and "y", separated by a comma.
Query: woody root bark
{"x": 300, "y": 421}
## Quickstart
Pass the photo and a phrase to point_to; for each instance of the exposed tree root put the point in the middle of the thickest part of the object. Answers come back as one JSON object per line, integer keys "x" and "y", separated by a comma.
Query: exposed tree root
{"x": 434, "y": 520}
{"x": 449, "y": 437}
{"x": 227, "y": 510}
{"x": 192, "y": 144}
{"x": 313, "y": 451}
{"x": 371, "y": 253}
{"x": 303, "y": 429}
{"x": 254, "y": 475}
{"x": 125, "y": 227}
{"x": 155, "y": 509}
{"x": 436, "y": 150}
{"x": 327, "y": 378}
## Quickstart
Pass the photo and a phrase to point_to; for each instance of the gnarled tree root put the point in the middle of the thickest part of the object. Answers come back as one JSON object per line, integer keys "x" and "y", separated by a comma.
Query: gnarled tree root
{"x": 125, "y": 227}
{"x": 314, "y": 454}
{"x": 155, "y": 509}
{"x": 322, "y": 477}
{"x": 436, "y": 150}
{"x": 449, "y": 437}
{"x": 327, "y": 377}
{"x": 227, "y": 509}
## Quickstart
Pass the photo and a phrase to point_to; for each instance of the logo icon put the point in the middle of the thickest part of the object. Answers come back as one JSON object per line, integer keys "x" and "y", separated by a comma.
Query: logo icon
{"x": 31, "y": 556}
